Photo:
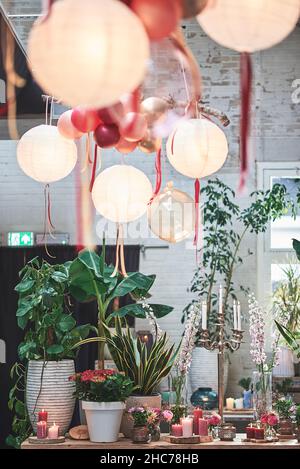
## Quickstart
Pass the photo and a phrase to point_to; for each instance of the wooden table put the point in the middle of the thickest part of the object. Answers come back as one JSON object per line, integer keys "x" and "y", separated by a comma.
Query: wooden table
{"x": 125, "y": 443}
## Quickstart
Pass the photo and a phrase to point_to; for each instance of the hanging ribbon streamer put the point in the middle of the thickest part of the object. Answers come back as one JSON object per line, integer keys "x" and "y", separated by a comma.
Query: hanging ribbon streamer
{"x": 120, "y": 258}
{"x": 93, "y": 176}
{"x": 48, "y": 225}
{"x": 47, "y": 9}
{"x": 158, "y": 175}
{"x": 197, "y": 199}
{"x": 246, "y": 84}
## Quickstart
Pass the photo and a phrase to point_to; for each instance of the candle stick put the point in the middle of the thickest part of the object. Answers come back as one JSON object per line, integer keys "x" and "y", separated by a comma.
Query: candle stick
{"x": 220, "y": 299}
{"x": 53, "y": 431}
{"x": 204, "y": 315}
{"x": 41, "y": 429}
{"x": 187, "y": 427}
{"x": 42, "y": 416}
{"x": 234, "y": 315}
{"x": 239, "y": 319}
{"x": 229, "y": 403}
{"x": 176, "y": 429}
{"x": 239, "y": 403}
{"x": 197, "y": 413}
{"x": 203, "y": 427}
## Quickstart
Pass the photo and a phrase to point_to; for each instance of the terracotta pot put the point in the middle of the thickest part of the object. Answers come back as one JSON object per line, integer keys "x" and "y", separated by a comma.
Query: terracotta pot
{"x": 140, "y": 434}
{"x": 286, "y": 427}
{"x": 138, "y": 401}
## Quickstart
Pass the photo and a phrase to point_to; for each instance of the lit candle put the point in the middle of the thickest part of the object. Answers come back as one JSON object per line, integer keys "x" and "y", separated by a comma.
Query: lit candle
{"x": 42, "y": 416}
{"x": 204, "y": 315}
{"x": 239, "y": 319}
{"x": 176, "y": 429}
{"x": 259, "y": 433}
{"x": 41, "y": 429}
{"x": 239, "y": 403}
{"x": 220, "y": 299}
{"x": 203, "y": 427}
{"x": 229, "y": 403}
{"x": 250, "y": 431}
{"x": 234, "y": 315}
{"x": 53, "y": 431}
{"x": 187, "y": 427}
{"x": 197, "y": 414}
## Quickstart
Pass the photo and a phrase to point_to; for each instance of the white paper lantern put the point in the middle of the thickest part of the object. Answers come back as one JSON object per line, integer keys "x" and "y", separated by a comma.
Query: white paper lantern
{"x": 197, "y": 148}
{"x": 171, "y": 216}
{"x": 44, "y": 155}
{"x": 89, "y": 52}
{"x": 249, "y": 25}
{"x": 121, "y": 193}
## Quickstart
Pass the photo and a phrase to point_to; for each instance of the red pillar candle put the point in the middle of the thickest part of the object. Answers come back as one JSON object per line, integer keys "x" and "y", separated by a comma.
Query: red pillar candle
{"x": 203, "y": 427}
{"x": 42, "y": 416}
{"x": 250, "y": 432}
{"x": 41, "y": 429}
{"x": 176, "y": 429}
{"x": 198, "y": 414}
{"x": 259, "y": 433}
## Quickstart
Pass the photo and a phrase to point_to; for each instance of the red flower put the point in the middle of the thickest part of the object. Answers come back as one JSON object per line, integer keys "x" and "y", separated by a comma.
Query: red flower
{"x": 264, "y": 418}
{"x": 272, "y": 419}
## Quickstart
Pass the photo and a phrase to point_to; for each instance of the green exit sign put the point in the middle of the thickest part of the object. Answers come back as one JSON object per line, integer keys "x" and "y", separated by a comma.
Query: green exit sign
{"x": 20, "y": 238}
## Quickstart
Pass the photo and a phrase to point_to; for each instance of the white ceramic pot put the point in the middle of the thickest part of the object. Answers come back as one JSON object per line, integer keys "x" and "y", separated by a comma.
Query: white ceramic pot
{"x": 204, "y": 370}
{"x": 153, "y": 401}
{"x": 103, "y": 420}
{"x": 48, "y": 387}
{"x": 285, "y": 368}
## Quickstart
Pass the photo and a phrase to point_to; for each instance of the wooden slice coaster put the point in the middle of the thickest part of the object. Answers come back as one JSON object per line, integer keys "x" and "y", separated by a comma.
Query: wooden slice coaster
{"x": 79, "y": 433}
{"x": 182, "y": 440}
{"x": 286, "y": 437}
{"x": 46, "y": 441}
{"x": 254, "y": 440}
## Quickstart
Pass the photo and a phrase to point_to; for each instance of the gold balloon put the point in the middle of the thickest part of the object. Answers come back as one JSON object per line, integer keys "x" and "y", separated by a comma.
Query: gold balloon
{"x": 153, "y": 109}
{"x": 149, "y": 144}
{"x": 191, "y": 8}
{"x": 171, "y": 216}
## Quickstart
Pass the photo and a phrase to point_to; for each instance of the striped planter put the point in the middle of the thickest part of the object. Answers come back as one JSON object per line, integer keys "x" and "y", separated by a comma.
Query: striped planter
{"x": 51, "y": 391}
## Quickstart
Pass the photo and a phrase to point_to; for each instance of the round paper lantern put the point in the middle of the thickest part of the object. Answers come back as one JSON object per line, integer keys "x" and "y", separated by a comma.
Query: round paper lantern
{"x": 88, "y": 53}
{"x": 153, "y": 109}
{"x": 249, "y": 26}
{"x": 171, "y": 215}
{"x": 133, "y": 127}
{"x": 66, "y": 127}
{"x": 121, "y": 193}
{"x": 197, "y": 148}
{"x": 106, "y": 136}
{"x": 44, "y": 155}
{"x": 85, "y": 120}
{"x": 124, "y": 146}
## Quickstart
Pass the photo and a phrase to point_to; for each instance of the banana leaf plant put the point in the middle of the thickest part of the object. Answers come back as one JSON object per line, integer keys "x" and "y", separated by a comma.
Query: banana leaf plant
{"x": 292, "y": 339}
{"x": 91, "y": 279}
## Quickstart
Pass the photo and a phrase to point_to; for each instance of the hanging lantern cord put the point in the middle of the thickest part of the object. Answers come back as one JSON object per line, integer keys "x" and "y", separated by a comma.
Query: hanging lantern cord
{"x": 197, "y": 199}
{"x": 48, "y": 225}
{"x": 120, "y": 258}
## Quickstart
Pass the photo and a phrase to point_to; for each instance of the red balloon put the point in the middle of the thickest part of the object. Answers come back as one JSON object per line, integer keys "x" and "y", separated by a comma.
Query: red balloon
{"x": 107, "y": 135}
{"x": 124, "y": 146}
{"x": 160, "y": 17}
{"x": 133, "y": 127}
{"x": 112, "y": 114}
{"x": 85, "y": 120}
{"x": 66, "y": 128}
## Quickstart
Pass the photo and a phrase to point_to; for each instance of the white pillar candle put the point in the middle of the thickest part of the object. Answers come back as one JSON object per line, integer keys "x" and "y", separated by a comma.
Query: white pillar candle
{"x": 234, "y": 315}
{"x": 239, "y": 403}
{"x": 239, "y": 319}
{"x": 229, "y": 403}
{"x": 187, "y": 426}
{"x": 220, "y": 299}
{"x": 204, "y": 315}
{"x": 53, "y": 431}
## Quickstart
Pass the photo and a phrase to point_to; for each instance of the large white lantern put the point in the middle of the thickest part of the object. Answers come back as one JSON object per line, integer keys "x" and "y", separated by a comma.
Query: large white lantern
{"x": 171, "y": 215}
{"x": 197, "y": 148}
{"x": 121, "y": 193}
{"x": 249, "y": 25}
{"x": 89, "y": 52}
{"x": 45, "y": 155}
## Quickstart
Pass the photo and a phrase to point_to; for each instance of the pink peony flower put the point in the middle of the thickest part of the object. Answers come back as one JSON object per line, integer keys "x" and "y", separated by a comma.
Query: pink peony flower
{"x": 214, "y": 419}
{"x": 264, "y": 418}
{"x": 167, "y": 415}
{"x": 272, "y": 419}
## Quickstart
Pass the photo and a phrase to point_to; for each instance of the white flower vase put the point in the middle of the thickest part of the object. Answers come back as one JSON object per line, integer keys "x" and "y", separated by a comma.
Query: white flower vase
{"x": 103, "y": 420}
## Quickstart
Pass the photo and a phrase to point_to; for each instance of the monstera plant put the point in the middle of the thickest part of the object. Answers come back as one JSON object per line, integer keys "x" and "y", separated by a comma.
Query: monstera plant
{"x": 92, "y": 279}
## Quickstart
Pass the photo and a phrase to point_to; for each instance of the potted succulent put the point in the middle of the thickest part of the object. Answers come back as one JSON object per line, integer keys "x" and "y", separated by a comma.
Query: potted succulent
{"x": 286, "y": 410}
{"x": 245, "y": 383}
{"x": 50, "y": 336}
{"x": 103, "y": 393}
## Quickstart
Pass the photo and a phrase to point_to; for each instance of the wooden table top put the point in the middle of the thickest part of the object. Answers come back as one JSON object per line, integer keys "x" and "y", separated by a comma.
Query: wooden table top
{"x": 125, "y": 443}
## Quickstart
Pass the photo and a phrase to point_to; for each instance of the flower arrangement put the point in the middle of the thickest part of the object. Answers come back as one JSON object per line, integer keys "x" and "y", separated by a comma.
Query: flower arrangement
{"x": 270, "y": 419}
{"x": 286, "y": 409}
{"x": 143, "y": 416}
{"x": 102, "y": 386}
{"x": 214, "y": 419}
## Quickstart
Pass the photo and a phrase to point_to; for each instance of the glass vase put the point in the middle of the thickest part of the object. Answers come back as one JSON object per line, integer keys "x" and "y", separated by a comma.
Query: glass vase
{"x": 155, "y": 432}
{"x": 262, "y": 393}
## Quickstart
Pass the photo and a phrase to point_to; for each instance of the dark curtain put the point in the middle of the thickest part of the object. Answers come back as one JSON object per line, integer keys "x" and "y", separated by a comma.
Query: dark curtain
{"x": 11, "y": 262}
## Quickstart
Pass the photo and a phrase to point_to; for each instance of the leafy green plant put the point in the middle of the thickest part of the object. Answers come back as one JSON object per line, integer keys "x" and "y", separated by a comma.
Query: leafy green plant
{"x": 286, "y": 299}
{"x": 245, "y": 383}
{"x": 285, "y": 408}
{"x": 225, "y": 228}
{"x": 91, "y": 278}
{"x": 291, "y": 339}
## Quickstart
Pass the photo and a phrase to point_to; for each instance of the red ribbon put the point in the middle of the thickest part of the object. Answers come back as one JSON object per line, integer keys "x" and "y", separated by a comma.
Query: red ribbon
{"x": 197, "y": 199}
{"x": 79, "y": 225}
{"x": 158, "y": 175}
{"x": 245, "y": 84}
{"x": 94, "y": 167}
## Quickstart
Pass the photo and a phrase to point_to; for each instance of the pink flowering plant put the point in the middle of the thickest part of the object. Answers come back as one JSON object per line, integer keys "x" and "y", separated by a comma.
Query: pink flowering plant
{"x": 102, "y": 386}
{"x": 270, "y": 419}
{"x": 149, "y": 417}
{"x": 286, "y": 409}
{"x": 214, "y": 420}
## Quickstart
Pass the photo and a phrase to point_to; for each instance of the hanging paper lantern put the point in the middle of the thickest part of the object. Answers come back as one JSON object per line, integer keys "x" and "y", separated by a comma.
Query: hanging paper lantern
{"x": 159, "y": 17}
{"x": 124, "y": 146}
{"x": 171, "y": 215}
{"x": 44, "y": 155}
{"x": 133, "y": 127}
{"x": 66, "y": 127}
{"x": 249, "y": 26}
{"x": 153, "y": 109}
{"x": 85, "y": 120}
{"x": 88, "y": 53}
{"x": 106, "y": 136}
{"x": 121, "y": 193}
{"x": 197, "y": 148}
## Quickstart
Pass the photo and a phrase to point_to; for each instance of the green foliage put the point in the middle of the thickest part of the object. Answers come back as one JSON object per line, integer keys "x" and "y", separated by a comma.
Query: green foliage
{"x": 296, "y": 247}
{"x": 51, "y": 330}
{"x": 283, "y": 408}
{"x": 291, "y": 339}
{"x": 286, "y": 299}
{"x": 112, "y": 388}
{"x": 225, "y": 226}
{"x": 245, "y": 383}
{"x": 179, "y": 411}
{"x": 284, "y": 386}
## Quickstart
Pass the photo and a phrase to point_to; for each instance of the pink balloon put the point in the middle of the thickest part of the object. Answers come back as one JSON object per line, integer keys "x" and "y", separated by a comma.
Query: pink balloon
{"x": 124, "y": 146}
{"x": 106, "y": 136}
{"x": 112, "y": 114}
{"x": 85, "y": 120}
{"x": 133, "y": 127}
{"x": 66, "y": 128}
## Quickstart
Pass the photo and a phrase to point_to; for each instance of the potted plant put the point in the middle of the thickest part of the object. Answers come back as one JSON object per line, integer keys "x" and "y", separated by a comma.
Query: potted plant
{"x": 286, "y": 410}
{"x": 50, "y": 336}
{"x": 140, "y": 429}
{"x": 103, "y": 393}
{"x": 245, "y": 383}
